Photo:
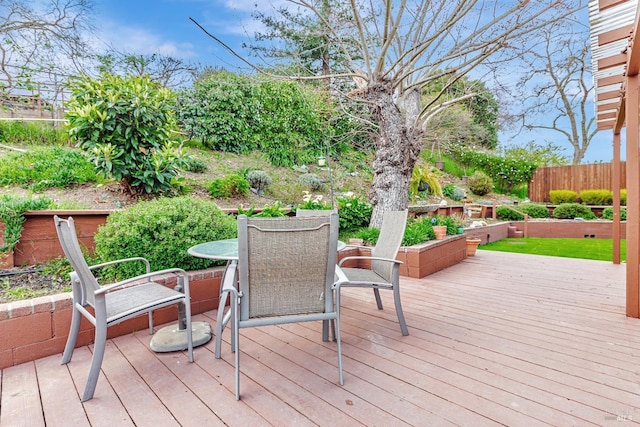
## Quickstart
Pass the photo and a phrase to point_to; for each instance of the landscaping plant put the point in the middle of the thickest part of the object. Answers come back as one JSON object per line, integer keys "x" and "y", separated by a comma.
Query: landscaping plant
{"x": 162, "y": 230}
{"x": 573, "y": 210}
{"x": 126, "y": 126}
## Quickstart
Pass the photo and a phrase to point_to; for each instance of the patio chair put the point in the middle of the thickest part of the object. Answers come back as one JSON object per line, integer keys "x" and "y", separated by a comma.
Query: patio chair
{"x": 114, "y": 303}
{"x": 385, "y": 269}
{"x": 286, "y": 275}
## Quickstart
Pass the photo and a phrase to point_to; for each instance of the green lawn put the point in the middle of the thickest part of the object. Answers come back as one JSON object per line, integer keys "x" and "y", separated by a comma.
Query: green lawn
{"x": 597, "y": 249}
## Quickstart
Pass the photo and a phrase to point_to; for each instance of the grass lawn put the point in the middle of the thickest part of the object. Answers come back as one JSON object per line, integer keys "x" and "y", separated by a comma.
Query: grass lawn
{"x": 597, "y": 249}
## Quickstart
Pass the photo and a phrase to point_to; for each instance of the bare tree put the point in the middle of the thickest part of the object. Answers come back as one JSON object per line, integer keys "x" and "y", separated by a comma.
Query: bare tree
{"x": 41, "y": 37}
{"x": 166, "y": 70}
{"x": 558, "y": 85}
{"x": 409, "y": 44}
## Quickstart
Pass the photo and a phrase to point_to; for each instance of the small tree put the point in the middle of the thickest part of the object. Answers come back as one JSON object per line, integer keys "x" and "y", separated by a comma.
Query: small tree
{"x": 125, "y": 126}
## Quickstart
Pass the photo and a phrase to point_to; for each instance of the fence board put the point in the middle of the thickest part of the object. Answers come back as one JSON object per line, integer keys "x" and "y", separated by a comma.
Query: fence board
{"x": 574, "y": 177}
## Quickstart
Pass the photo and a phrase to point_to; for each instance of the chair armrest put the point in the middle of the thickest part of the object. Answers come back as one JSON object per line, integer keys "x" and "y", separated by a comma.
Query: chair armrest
{"x": 119, "y": 261}
{"x": 340, "y": 278}
{"x": 108, "y": 288}
{"x": 369, "y": 258}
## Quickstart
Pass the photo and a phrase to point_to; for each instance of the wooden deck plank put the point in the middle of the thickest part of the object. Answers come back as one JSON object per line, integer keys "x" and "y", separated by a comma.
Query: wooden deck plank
{"x": 60, "y": 400}
{"x": 20, "y": 403}
{"x": 106, "y": 408}
{"x": 175, "y": 396}
{"x": 503, "y": 339}
{"x": 139, "y": 400}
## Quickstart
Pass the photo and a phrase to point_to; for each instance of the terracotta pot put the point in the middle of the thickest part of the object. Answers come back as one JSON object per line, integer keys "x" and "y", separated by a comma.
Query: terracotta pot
{"x": 440, "y": 231}
{"x": 472, "y": 245}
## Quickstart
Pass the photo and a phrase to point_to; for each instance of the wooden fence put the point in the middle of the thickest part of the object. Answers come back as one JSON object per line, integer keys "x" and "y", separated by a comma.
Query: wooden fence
{"x": 576, "y": 177}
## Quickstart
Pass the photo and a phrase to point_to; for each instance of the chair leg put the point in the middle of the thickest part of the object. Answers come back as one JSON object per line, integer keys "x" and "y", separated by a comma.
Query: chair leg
{"x": 74, "y": 329}
{"x": 235, "y": 316}
{"x": 96, "y": 361}
{"x": 396, "y": 300}
{"x": 376, "y": 293}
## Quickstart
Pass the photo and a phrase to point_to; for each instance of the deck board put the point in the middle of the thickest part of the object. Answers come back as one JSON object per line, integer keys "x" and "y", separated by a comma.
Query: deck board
{"x": 499, "y": 339}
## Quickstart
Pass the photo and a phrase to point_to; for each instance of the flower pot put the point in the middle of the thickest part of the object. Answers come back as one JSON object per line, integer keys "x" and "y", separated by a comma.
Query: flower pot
{"x": 472, "y": 245}
{"x": 440, "y": 231}
{"x": 460, "y": 230}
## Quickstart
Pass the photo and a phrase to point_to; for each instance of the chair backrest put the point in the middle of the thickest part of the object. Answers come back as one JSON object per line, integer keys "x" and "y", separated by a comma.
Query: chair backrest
{"x": 69, "y": 241}
{"x": 286, "y": 265}
{"x": 388, "y": 244}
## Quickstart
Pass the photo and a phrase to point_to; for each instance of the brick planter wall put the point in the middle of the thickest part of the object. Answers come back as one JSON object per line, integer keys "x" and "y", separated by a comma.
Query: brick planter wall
{"x": 39, "y": 327}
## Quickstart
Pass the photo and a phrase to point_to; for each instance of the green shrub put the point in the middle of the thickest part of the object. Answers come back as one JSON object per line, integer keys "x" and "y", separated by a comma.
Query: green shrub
{"x": 532, "y": 209}
{"x": 417, "y": 231}
{"x": 258, "y": 180}
{"x": 271, "y": 211}
{"x": 313, "y": 202}
{"x": 353, "y": 212}
{"x": 191, "y": 164}
{"x": 454, "y": 193}
{"x": 162, "y": 230}
{"x": 46, "y": 167}
{"x": 231, "y": 185}
{"x": 480, "y": 183}
{"x": 623, "y": 196}
{"x": 126, "y": 126}
{"x": 573, "y": 210}
{"x": 368, "y": 235}
{"x": 562, "y": 196}
{"x": 12, "y": 216}
{"x": 311, "y": 180}
{"x": 596, "y": 197}
{"x": 607, "y": 213}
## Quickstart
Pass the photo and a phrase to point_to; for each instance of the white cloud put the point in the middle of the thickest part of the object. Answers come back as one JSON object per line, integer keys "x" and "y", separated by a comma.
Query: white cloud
{"x": 139, "y": 40}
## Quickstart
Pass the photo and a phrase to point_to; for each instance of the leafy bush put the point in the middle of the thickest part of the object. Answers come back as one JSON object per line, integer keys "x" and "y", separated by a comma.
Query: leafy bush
{"x": 607, "y": 213}
{"x": 623, "y": 196}
{"x": 12, "y": 215}
{"x": 424, "y": 174}
{"x": 562, "y": 196}
{"x": 454, "y": 193}
{"x": 368, "y": 235}
{"x": 354, "y": 212}
{"x": 47, "y": 167}
{"x": 126, "y": 127}
{"x": 240, "y": 113}
{"x": 258, "y": 179}
{"x": 506, "y": 172}
{"x": 191, "y": 164}
{"x": 533, "y": 210}
{"x": 418, "y": 231}
{"x": 231, "y": 185}
{"x": 162, "y": 230}
{"x": 596, "y": 197}
{"x": 271, "y": 211}
{"x": 480, "y": 183}
{"x": 311, "y": 180}
{"x": 573, "y": 210}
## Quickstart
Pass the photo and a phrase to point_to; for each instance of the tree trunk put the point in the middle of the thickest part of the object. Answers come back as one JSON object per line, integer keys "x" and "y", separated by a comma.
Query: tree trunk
{"x": 398, "y": 144}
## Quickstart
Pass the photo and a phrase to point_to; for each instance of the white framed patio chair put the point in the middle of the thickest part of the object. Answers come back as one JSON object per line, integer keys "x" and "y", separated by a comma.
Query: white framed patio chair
{"x": 385, "y": 269}
{"x": 286, "y": 271}
{"x": 108, "y": 305}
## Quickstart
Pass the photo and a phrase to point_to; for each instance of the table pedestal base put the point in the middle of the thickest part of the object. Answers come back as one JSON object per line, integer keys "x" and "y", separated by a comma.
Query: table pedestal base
{"x": 170, "y": 338}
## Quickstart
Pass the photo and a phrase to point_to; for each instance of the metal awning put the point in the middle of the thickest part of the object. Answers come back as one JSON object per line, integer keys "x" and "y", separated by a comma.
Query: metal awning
{"x": 612, "y": 24}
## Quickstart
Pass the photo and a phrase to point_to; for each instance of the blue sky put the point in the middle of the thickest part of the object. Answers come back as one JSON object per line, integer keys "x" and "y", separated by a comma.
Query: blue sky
{"x": 163, "y": 26}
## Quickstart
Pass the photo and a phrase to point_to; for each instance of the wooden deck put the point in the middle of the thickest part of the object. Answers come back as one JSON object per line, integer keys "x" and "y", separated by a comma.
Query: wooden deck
{"x": 500, "y": 339}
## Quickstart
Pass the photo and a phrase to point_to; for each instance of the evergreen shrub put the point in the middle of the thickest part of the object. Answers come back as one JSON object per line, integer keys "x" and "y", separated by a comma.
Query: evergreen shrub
{"x": 573, "y": 210}
{"x": 162, "y": 230}
{"x": 596, "y": 197}
{"x": 562, "y": 196}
